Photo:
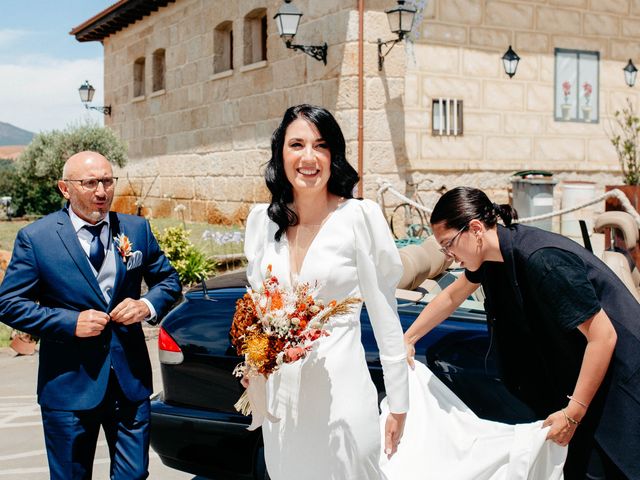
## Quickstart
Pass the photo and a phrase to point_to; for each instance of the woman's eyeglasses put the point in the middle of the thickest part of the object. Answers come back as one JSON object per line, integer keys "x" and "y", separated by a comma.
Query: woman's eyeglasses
{"x": 448, "y": 244}
{"x": 92, "y": 183}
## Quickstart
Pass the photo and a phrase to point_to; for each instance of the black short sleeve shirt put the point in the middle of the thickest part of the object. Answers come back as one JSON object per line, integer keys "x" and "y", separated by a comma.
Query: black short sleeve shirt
{"x": 559, "y": 285}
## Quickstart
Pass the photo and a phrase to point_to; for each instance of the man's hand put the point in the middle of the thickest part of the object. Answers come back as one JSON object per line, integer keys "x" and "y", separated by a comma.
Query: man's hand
{"x": 91, "y": 323}
{"x": 130, "y": 311}
{"x": 393, "y": 432}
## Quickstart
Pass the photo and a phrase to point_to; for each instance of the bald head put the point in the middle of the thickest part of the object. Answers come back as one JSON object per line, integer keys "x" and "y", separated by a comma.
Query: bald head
{"x": 81, "y": 162}
{"x": 89, "y": 203}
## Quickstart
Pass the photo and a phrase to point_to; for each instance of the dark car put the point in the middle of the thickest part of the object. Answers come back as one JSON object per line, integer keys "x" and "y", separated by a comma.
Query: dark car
{"x": 195, "y": 427}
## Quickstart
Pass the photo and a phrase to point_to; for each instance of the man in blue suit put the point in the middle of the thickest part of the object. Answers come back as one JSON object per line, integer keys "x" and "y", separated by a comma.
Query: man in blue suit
{"x": 74, "y": 281}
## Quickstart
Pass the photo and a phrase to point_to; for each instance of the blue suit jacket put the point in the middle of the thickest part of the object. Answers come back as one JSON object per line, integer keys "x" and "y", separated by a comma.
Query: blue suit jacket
{"x": 49, "y": 281}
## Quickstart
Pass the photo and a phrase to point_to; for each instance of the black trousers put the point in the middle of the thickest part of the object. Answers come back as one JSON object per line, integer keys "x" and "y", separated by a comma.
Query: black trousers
{"x": 587, "y": 460}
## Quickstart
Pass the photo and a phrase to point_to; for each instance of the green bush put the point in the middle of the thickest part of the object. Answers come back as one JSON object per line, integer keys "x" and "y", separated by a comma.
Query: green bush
{"x": 190, "y": 262}
{"x": 34, "y": 184}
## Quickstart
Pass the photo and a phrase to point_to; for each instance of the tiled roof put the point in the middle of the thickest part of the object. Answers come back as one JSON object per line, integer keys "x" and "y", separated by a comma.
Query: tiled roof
{"x": 113, "y": 19}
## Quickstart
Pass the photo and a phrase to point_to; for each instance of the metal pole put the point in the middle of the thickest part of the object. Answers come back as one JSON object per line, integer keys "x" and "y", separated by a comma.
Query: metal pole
{"x": 360, "y": 97}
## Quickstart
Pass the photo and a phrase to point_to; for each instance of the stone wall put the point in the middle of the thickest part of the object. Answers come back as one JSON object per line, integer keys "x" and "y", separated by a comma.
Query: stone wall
{"x": 202, "y": 141}
{"x": 509, "y": 123}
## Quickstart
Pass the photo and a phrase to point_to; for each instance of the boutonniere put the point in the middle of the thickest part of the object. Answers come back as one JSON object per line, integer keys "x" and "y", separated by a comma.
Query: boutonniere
{"x": 124, "y": 246}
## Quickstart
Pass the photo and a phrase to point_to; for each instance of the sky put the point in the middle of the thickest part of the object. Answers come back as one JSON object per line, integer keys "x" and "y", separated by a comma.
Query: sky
{"x": 42, "y": 66}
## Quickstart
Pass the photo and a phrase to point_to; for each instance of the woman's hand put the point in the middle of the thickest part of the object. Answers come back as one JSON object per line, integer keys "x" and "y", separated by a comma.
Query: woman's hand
{"x": 393, "y": 432}
{"x": 411, "y": 353}
{"x": 244, "y": 381}
{"x": 561, "y": 429}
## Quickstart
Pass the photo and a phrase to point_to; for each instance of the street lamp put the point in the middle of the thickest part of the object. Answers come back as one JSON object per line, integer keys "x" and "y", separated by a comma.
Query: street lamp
{"x": 287, "y": 20}
{"x": 86, "y": 92}
{"x": 510, "y": 60}
{"x": 400, "y": 22}
{"x": 630, "y": 72}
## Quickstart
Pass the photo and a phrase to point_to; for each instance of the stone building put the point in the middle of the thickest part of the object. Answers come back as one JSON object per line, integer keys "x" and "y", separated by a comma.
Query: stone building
{"x": 197, "y": 87}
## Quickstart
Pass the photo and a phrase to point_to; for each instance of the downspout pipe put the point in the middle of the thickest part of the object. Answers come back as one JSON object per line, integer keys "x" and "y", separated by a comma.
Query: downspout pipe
{"x": 360, "y": 97}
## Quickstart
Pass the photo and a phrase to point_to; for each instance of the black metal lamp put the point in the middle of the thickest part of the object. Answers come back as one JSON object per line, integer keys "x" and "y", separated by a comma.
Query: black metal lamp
{"x": 510, "y": 61}
{"x": 400, "y": 22}
{"x": 630, "y": 72}
{"x": 86, "y": 92}
{"x": 287, "y": 20}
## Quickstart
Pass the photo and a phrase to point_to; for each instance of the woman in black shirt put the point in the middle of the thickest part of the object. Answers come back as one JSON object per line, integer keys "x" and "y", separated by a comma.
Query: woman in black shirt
{"x": 566, "y": 329}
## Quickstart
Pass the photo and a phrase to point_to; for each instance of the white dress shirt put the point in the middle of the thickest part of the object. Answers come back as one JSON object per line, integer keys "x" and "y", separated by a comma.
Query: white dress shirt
{"x": 106, "y": 277}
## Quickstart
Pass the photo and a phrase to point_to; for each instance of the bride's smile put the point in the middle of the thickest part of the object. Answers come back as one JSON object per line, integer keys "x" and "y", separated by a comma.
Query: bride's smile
{"x": 306, "y": 157}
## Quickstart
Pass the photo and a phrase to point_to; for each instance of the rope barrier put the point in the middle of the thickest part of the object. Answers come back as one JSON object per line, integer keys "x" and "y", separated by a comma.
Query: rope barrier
{"x": 385, "y": 186}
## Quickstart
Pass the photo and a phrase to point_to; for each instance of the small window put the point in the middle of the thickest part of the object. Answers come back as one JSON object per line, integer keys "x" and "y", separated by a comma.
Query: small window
{"x": 255, "y": 36}
{"x": 158, "y": 69}
{"x": 446, "y": 117}
{"x": 223, "y": 47}
{"x": 576, "y": 86}
{"x": 138, "y": 77}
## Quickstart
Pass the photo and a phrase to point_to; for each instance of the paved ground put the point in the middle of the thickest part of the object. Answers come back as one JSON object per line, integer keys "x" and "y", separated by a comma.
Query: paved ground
{"x": 22, "y": 453}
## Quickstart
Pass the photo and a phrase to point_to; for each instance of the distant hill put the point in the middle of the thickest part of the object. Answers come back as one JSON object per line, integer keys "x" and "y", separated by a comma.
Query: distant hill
{"x": 10, "y": 135}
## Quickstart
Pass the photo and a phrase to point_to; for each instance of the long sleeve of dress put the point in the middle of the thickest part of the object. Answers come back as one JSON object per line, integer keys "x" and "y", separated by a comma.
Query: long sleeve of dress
{"x": 379, "y": 270}
{"x": 254, "y": 240}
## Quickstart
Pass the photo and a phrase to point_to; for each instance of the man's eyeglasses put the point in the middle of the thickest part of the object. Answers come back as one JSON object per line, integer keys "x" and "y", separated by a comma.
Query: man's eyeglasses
{"x": 92, "y": 183}
{"x": 448, "y": 244}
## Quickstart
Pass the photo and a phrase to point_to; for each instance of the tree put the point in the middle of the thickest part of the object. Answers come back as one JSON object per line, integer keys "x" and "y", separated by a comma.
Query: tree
{"x": 39, "y": 167}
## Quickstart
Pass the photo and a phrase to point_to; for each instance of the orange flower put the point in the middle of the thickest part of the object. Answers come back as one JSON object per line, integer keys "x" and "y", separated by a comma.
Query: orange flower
{"x": 276, "y": 301}
{"x": 243, "y": 318}
{"x": 257, "y": 349}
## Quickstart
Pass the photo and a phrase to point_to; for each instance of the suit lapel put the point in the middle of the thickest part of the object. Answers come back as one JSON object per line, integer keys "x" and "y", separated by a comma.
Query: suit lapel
{"x": 121, "y": 267}
{"x": 70, "y": 241}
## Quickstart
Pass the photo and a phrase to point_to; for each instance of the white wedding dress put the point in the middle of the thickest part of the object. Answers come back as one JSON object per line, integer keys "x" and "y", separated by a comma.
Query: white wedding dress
{"x": 327, "y": 403}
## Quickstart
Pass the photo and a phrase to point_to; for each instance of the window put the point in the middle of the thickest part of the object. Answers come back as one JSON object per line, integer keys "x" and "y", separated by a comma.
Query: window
{"x": 158, "y": 69}
{"x": 576, "y": 86}
{"x": 223, "y": 47}
{"x": 446, "y": 117}
{"x": 255, "y": 36}
{"x": 138, "y": 77}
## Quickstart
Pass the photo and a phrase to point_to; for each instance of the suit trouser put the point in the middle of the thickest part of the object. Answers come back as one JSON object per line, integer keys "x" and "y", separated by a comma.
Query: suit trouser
{"x": 71, "y": 437}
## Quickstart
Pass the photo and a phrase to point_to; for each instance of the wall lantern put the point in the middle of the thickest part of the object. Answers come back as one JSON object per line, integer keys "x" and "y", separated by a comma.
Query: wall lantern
{"x": 86, "y": 92}
{"x": 630, "y": 72}
{"x": 400, "y": 21}
{"x": 510, "y": 60}
{"x": 287, "y": 19}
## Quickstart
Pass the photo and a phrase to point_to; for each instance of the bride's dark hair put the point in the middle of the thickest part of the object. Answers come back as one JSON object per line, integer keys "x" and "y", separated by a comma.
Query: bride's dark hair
{"x": 343, "y": 176}
{"x": 457, "y": 207}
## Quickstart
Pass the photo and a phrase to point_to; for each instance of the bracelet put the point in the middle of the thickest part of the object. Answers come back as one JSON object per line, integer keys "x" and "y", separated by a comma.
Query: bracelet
{"x": 570, "y": 397}
{"x": 569, "y": 419}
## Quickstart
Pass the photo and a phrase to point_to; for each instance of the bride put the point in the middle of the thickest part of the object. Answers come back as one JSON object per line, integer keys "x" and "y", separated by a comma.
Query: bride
{"x": 313, "y": 230}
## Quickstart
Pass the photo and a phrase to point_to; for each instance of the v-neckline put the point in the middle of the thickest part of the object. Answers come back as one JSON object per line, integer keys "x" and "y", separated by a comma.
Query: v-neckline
{"x": 294, "y": 276}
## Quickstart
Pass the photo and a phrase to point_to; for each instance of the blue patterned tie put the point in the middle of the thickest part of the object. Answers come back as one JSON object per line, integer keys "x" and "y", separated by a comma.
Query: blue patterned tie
{"x": 96, "y": 252}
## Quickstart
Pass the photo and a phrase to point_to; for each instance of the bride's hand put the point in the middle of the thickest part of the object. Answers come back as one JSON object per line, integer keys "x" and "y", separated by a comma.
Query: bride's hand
{"x": 411, "y": 354}
{"x": 244, "y": 381}
{"x": 393, "y": 432}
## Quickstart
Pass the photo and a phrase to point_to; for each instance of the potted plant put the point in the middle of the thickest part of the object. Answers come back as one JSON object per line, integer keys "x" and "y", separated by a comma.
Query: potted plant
{"x": 625, "y": 137}
{"x": 587, "y": 89}
{"x": 566, "y": 106}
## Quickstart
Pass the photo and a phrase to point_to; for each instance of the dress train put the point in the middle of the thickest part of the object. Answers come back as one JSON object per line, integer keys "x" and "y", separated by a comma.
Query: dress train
{"x": 444, "y": 439}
